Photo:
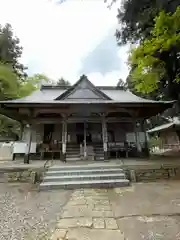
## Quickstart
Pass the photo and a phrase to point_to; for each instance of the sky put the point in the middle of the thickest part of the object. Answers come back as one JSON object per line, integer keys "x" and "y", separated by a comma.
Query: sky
{"x": 69, "y": 39}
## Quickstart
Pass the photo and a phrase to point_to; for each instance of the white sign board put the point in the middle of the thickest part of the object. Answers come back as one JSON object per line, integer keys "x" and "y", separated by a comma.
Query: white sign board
{"x": 20, "y": 147}
{"x": 131, "y": 137}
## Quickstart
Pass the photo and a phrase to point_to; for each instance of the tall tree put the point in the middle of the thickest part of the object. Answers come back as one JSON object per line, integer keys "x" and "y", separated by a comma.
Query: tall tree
{"x": 136, "y": 18}
{"x": 31, "y": 84}
{"x": 10, "y": 50}
{"x": 156, "y": 60}
{"x": 8, "y": 82}
{"x": 155, "y": 63}
{"x": 63, "y": 82}
{"x": 10, "y": 88}
{"x": 122, "y": 84}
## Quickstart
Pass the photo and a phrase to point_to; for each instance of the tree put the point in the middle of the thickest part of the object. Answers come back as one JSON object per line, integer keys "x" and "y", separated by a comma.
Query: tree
{"x": 12, "y": 88}
{"x": 63, "y": 82}
{"x": 13, "y": 82}
{"x": 8, "y": 82}
{"x": 155, "y": 65}
{"x": 136, "y": 18}
{"x": 122, "y": 84}
{"x": 31, "y": 84}
{"x": 10, "y": 50}
{"x": 156, "y": 61}
{"x": 8, "y": 90}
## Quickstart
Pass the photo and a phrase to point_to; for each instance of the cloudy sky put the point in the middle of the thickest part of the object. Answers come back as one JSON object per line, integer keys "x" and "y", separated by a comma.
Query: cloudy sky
{"x": 69, "y": 39}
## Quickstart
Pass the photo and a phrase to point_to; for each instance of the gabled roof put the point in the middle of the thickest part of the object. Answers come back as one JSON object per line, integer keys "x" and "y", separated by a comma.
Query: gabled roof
{"x": 83, "y": 90}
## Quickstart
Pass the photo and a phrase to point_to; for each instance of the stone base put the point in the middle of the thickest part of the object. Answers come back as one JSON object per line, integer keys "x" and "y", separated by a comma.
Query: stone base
{"x": 26, "y": 158}
{"x": 105, "y": 155}
{"x": 63, "y": 157}
{"x": 13, "y": 156}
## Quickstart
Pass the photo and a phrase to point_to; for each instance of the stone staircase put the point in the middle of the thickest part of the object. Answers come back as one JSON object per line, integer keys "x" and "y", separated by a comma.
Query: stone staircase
{"x": 72, "y": 152}
{"x": 99, "y": 152}
{"x": 95, "y": 175}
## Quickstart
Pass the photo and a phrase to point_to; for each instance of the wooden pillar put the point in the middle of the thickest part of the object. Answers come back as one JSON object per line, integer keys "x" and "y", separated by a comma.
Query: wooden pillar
{"x": 146, "y": 145}
{"x": 138, "y": 145}
{"x": 104, "y": 135}
{"x": 64, "y": 139}
{"x": 28, "y": 145}
{"x": 85, "y": 145}
{"x": 21, "y": 131}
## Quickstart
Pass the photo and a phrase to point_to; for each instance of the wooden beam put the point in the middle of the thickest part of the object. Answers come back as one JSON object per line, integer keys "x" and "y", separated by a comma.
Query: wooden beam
{"x": 11, "y": 114}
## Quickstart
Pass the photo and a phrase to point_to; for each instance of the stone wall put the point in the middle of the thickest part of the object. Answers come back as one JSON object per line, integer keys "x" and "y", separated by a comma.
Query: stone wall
{"x": 28, "y": 175}
{"x": 153, "y": 174}
{"x": 6, "y": 152}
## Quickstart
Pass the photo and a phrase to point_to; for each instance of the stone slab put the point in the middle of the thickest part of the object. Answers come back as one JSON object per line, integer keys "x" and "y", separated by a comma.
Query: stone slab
{"x": 102, "y": 214}
{"x": 102, "y": 207}
{"x": 59, "y": 234}
{"x": 159, "y": 227}
{"x": 94, "y": 234}
{"x": 67, "y": 223}
{"x": 98, "y": 223}
{"x": 111, "y": 223}
{"x": 98, "y": 202}
{"x": 76, "y": 203}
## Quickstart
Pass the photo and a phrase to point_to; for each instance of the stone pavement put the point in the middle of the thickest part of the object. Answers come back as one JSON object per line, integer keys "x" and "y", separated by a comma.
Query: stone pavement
{"x": 88, "y": 215}
{"x": 149, "y": 211}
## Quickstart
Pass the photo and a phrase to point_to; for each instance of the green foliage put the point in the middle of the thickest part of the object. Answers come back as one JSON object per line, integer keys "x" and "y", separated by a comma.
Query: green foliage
{"x": 31, "y": 84}
{"x": 13, "y": 81}
{"x": 156, "y": 60}
{"x": 154, "y": 141}
{"x": 63, "y": 82}
{"x": 9, "y": 127}
{"x": 10, "y": 50}
{"x": 136, "y": 18}
{"x": 122, "y": 84}
{"x": 8, "y": 82}
{"x": 12, "y": 88}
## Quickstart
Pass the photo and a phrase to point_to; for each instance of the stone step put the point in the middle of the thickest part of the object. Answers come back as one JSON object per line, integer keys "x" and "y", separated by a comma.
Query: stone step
{"x": 72, "y": 146}
{"x": 58, "y": 172}
{"x": 99, "y": 154}
{"x": 73, "y": 149}
{"x": 86, "y": 166}
{"x": 84, "y": 177}
{"x": 71, "y": 158}
{"x": 108, "y": 183}
{"x": 72, "y": 155}
{"x": 99, "y": 158}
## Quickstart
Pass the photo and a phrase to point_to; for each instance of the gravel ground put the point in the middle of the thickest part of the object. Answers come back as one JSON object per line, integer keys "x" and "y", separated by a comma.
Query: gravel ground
{"x": 26, "y": 214}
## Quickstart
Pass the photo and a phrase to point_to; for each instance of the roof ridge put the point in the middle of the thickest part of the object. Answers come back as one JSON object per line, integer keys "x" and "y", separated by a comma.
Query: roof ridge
{"x": 74, "y": 86}
{"x": 110, "y": 88}
{"x": 54, "y": 87}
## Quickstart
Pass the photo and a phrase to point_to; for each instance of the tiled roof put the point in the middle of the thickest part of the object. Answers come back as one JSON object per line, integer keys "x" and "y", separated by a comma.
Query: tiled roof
{"x": 175, "y": 123}
{"x": 93, "y": 94}
{"x": 50, "y": 94}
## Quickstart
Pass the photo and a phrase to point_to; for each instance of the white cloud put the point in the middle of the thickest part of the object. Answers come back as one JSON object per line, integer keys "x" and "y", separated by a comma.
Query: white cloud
{"x": 56, "y": 37}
